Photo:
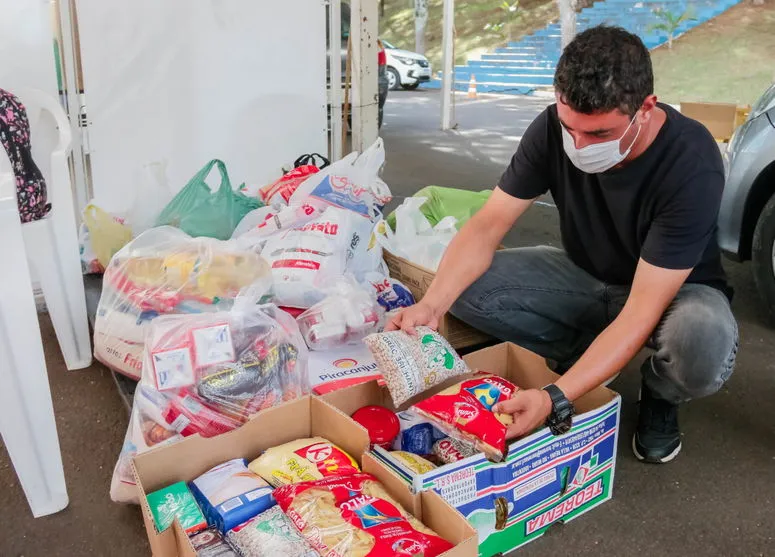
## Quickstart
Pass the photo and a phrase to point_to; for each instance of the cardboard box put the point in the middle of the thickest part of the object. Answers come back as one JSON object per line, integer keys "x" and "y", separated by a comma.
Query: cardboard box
{"x": 544, "y": 479}
{"x": 417, "y": 279}
{"x": 719, "y": 118}
{"x": 307, "y": 417}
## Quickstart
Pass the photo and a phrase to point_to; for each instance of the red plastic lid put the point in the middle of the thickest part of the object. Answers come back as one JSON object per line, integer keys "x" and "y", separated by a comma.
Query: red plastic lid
{"x": 382, "y": 424}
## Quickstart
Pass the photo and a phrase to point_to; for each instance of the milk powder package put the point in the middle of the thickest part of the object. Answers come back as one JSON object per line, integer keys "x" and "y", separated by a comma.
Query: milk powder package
{"x": 230, "y": 494}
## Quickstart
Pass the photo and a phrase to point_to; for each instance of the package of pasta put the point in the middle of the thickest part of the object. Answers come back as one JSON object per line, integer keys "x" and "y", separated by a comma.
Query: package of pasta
{"x": 164, "y": 271}
{"x": 354, "y": 516}
{"x": 302, "y": 461}
{"x": 464, "y": 411}
{"x": 207, "y": 373}
{"x": 270, "y": 534}
{"x": 412, "y": 364}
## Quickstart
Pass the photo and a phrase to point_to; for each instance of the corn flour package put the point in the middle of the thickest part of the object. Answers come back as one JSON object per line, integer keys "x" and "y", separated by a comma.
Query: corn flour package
{"x": 303, "y": 460}
{"x": 355, "y": 516}
{"x": 464, "y": 411}
{"x": 229, "y": 494}
{"x": 413, "y": 364}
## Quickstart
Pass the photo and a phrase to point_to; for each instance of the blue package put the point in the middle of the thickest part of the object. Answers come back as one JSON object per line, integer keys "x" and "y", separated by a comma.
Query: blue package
{"x": 417, "y": 434}
{"x": 230, "y": 494}
{"x": 391, "y": 294}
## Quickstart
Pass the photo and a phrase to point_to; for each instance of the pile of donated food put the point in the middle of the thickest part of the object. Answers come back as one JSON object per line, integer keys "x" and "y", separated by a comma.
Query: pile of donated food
{"x": 213, "y": 303}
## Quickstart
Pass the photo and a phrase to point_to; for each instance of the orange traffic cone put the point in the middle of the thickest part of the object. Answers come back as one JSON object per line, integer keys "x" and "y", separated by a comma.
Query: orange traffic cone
{"x": 472, "y": 87}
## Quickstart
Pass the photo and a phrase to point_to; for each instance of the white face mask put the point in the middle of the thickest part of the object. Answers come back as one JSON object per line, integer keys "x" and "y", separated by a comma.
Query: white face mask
{"x": 597, "y": 157}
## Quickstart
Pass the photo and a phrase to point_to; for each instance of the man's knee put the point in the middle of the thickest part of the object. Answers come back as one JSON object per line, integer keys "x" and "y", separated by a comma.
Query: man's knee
{"x": 696, "y": 350}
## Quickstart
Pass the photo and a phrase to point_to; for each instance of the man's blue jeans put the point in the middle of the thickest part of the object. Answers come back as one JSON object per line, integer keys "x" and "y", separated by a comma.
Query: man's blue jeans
{"x": 539, "y": 299}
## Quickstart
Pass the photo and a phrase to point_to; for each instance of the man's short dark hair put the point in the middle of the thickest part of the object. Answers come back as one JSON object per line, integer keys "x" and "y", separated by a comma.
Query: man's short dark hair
{"x": 602, "y": 69}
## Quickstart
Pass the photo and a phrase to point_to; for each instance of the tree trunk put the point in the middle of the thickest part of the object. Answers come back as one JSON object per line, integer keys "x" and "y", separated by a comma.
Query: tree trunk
{"x": 567, "y": 20}
{"x": 670, "y": 41}
{"x": 420, "y": 21}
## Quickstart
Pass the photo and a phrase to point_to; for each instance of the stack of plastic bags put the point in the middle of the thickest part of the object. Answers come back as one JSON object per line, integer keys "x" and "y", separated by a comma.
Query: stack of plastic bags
{"x": 207, "y": 374}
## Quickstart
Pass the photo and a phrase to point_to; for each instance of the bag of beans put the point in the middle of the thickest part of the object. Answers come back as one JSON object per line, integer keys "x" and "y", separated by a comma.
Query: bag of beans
{"x": 413, "y": 364}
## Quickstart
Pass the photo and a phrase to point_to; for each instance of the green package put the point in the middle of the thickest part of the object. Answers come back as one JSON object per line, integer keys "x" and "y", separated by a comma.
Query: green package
{"x": 176, "y": 501}
{"x": 448, "y": 202}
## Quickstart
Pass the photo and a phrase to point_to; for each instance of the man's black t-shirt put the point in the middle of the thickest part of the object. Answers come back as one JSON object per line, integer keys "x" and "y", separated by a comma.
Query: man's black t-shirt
{"x": 661, "y": 206}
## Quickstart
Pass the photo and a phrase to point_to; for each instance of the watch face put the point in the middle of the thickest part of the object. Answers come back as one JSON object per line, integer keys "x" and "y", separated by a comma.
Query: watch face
{"x": 560, "y": 428}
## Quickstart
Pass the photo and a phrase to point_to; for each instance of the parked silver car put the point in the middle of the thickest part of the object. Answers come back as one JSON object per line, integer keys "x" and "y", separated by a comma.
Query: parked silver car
{"x": 747, "y": 216}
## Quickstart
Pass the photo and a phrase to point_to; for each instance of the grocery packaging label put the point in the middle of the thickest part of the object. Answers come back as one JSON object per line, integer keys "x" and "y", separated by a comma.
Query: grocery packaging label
{"x": 330, "y": 370}
{"x": 176, "y": 501}
{"x": 302, "y": 461}
{"x": 173, "y": 368}
{"x": 341, "y": 191}
{"x": 329, "y": 459}
{"x": 543, "y": 479}
{"x": 213, "y": 345}
{"x": 416, "y": 463}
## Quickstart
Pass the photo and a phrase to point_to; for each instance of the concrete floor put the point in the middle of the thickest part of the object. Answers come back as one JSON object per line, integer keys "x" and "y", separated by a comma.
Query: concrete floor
{"x": 715, "y": 499}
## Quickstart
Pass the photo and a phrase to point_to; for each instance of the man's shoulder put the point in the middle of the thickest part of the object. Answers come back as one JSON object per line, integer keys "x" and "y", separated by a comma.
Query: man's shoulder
{"x": 691, "y": 144}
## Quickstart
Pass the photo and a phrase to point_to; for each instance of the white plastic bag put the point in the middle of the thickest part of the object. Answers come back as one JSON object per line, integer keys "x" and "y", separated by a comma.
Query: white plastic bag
{"x": 364, "y": 254}
{"x": 347, "y": 315}
{"x": 306, "y": 258}
{"x": 415, "y": 239}
{"x": 259, "y": 224}
{"x": 207, "y": 373}
{"x": 352, "y": 183}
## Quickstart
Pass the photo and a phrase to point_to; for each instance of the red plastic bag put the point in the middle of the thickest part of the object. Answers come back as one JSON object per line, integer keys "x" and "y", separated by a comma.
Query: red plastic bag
{"x": 281, "y": 190}
{"x": 355, "y": 515}
{"x": 464, "y": 411}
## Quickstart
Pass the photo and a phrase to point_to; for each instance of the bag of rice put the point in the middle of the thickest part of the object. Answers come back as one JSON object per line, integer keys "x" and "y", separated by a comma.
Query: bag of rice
{"x": 302, "y": 461}
{"x": 356, "y": 517}
{"x": 269, "y": 534}
{"x": 414, "y": 364}
{"x": 464, "y": 411}
{"x": 415, "y": 463}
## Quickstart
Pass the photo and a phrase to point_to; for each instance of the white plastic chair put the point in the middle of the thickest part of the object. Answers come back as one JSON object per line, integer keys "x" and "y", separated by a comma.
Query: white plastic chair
{"x": 52, "y": 242}
{"x": 27, "y": 422}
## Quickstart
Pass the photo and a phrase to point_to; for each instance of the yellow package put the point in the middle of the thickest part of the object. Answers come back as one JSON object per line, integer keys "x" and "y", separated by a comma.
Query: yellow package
{"x": 303, "y": 460}
{"x": 414, "y": 462}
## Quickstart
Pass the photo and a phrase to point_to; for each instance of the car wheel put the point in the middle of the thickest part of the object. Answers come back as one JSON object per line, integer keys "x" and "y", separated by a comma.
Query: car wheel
{"x": 763, "y": 257}
{"x": 411, "y": 87}
{"x": 394, "y": 80}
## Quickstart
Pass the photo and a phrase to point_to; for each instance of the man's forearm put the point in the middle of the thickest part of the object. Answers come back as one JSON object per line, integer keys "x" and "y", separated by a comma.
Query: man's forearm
{"x": 467, "y": 258}
{"x": 607, "y": 355}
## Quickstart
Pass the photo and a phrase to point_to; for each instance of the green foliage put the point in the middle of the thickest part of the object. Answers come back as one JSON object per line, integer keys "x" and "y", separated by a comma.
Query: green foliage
{"x": 670, "y": 22}
{"x": 503, "y": 25}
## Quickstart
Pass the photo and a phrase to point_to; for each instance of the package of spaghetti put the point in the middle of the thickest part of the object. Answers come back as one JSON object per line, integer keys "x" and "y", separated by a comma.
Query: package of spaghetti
{"x": 412, "y": 364}
{"x": 303, "y": 460}
{"x": 464, "y": 411}
{"x": 207, "y": 373}
{"x": 270, "y": 534}
{"x": 354, "y": 516}
{"x": 229, "y": 494}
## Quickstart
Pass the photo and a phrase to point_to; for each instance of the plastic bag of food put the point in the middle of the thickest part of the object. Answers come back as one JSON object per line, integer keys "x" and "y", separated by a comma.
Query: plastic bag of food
{"x": 103, "y": 235}
{"x": 413, "y": 364}
{"x": 164, "y": 270}
{"x": 270, "y": 534}
{"x": 229, "y": 494}
{"x": 207, "y": 373}
{"x": 355, "y": 516}
{"x": 347, "y": 315}
{"x": 417, "y": 434}
{"x": 303, "y": 460}
{"x": 280, "y": 191}
{"x": 210, "y": 543}
{"x": 306, "y": 258}
{"x": 450, "y": 450}
{"x": 448, "y": 202}
{"x": 391, "y": 293}
{"x": 415, "y": 463}
{"x": 352, "y": 183}
{"x": 414, "y": 238}
{"x": 198, "y": 211}
{"x": 464, "y": 411}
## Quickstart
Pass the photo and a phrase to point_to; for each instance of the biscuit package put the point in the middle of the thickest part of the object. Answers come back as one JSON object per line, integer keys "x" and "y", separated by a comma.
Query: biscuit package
{"x": 413, "y": 364}
{"x": 302, "y": 461}
{"x": 464, "y": 411}
{"x": 355, "y": 516}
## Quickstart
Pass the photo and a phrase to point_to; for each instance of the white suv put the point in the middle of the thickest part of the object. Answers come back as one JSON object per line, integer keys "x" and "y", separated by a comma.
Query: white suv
{"x": 405, "y": 69}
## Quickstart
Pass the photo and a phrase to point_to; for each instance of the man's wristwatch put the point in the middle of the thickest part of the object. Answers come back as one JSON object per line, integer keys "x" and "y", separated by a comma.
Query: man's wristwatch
{"x": 561, "y": 418}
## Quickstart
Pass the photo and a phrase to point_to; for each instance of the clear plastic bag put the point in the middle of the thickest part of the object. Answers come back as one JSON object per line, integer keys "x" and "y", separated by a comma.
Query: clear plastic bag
{"x": 306, "y": 258}
{"x": 352, "y": 183}
{"x": 208, "y": 373}
{"x": 166, "y": 271}
{"x": 347, "y": 315}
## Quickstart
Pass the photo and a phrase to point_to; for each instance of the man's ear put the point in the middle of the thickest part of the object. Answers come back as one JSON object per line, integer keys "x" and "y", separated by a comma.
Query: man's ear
{"x": 647, "y": 108}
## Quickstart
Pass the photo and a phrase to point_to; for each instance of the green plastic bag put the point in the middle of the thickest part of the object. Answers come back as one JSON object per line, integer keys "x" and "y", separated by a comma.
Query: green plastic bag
{"x": 198, "y": 211}
{"x": 447, "y": 202}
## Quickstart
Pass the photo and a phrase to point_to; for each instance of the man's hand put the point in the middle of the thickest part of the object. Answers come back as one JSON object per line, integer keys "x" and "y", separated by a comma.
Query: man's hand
{"x": 530, "y": 408}
{"x": 413, "y": 316}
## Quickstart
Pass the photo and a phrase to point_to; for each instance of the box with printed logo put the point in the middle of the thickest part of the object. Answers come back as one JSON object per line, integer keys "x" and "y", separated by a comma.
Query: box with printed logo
{"x": 341, "y": 367}
{"x": 544, "y": 479}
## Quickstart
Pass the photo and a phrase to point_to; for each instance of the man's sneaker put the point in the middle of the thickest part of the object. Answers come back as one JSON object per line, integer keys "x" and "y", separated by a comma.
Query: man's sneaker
{"x": 657, "y": 438}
